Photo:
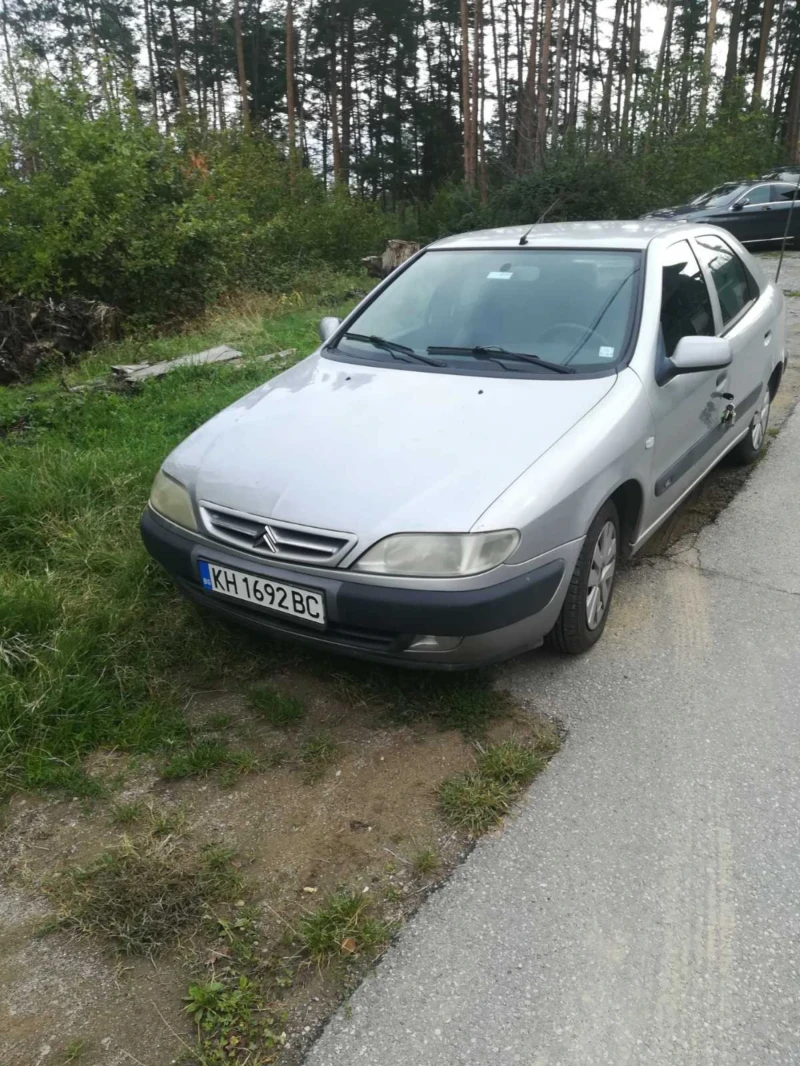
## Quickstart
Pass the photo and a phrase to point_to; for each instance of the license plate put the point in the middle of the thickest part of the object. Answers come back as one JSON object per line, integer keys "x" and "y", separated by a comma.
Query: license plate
{"x": 271, "y": 595}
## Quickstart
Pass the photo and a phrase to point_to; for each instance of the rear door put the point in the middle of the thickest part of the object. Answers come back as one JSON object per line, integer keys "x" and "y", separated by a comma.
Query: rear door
{"x": 782, "y": 195}
{"x": 688, "y": 408}
{"x": 746, "y": 321}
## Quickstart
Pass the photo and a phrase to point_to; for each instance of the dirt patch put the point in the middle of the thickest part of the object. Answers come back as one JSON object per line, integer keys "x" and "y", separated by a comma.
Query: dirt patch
{"x": 366, "y": 822}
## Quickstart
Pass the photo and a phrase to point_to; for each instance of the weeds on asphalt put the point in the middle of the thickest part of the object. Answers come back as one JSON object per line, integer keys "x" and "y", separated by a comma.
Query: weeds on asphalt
{"x": 141, "y": 897}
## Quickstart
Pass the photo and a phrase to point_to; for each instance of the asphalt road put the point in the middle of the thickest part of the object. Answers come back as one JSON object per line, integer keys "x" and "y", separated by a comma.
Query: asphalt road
{"x": 644, "y": 905}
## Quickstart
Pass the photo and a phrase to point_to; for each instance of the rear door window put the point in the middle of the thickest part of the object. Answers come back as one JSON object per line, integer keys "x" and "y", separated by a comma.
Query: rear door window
{"x": 685, "y": 301}
{"x": 735, "y": 288}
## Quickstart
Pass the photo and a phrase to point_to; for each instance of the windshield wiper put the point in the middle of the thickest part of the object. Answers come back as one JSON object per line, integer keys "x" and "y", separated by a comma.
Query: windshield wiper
{"x": 398, "y": 351}
{"x": 494, "y": 351}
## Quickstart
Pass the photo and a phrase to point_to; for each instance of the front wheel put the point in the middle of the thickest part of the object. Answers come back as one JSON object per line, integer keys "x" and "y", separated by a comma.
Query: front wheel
{"x": 750, "y": 448}
{"x": 585, "y": 609}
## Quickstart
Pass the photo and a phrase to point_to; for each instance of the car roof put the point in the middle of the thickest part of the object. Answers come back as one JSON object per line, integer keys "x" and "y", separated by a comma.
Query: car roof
{"x": 627, "y": 236}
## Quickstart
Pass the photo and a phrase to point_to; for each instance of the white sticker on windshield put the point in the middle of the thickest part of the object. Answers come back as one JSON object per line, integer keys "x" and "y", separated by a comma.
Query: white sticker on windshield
{"x": 499, "y": 275}
{"x": 606, "y": 353}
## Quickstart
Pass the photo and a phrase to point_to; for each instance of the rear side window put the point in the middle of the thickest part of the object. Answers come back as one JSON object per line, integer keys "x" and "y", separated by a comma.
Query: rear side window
{"x": 685, "y": 302}
{"x": 782, "y": 193}
{"x": 735, "y": 288}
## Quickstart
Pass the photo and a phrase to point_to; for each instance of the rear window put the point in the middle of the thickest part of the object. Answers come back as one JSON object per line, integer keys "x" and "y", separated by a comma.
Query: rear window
{"x": 735, "y": 288}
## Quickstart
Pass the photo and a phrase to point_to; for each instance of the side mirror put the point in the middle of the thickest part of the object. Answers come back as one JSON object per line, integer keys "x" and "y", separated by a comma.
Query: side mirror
{"x": 328, "y": 327}
{"x": 740, "y": 205}
{"x": 694, "y": 354}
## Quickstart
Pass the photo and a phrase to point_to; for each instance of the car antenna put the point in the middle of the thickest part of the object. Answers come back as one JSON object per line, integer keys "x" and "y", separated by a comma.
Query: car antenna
{"x": 524, "y": 238}
{"x": 786, "y": 230}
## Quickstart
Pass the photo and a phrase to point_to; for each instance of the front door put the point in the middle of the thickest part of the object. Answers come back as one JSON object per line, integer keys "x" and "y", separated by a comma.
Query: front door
{"x": 688, "y": 408}
{"x": 751, "y": 217}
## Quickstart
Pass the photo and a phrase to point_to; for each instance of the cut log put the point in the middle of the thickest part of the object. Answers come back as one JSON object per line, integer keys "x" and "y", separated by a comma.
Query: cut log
{"x": 397, "y": 253}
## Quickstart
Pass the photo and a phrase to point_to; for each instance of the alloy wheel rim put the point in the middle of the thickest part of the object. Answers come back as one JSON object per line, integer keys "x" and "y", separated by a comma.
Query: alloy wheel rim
{"x": 601, "y": 575}
{"x": 760, "y": 426}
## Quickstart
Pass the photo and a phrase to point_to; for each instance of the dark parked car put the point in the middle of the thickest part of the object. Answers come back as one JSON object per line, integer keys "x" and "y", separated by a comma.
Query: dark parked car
{"x": 753, "y": 211}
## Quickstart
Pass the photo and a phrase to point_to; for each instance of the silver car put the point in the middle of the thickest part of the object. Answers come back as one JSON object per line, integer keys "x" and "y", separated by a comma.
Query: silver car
{"x": 453, "y": 476}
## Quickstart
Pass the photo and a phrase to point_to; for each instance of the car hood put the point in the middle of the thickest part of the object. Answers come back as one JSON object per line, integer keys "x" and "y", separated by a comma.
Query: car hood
{"x": 372, "y": 450}
{"x": 681, "y": 211}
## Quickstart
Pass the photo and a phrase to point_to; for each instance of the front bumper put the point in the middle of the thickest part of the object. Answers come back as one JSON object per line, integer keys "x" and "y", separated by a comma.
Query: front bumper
{"x": 380, "y": 622}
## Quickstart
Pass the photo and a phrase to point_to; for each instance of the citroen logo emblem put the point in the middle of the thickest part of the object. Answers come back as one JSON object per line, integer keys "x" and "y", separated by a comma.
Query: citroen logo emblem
{"x": 270, "y": 540}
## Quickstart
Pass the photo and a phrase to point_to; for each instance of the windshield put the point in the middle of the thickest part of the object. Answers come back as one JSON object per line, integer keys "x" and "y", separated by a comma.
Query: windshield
{"x": 721, "y": 196}
{"x": 506, "y": 311}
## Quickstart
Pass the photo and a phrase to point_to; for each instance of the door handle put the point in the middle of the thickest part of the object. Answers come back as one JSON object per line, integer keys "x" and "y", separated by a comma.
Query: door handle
{"x": 768, "y": 336}
{"x": 723, "y": 377}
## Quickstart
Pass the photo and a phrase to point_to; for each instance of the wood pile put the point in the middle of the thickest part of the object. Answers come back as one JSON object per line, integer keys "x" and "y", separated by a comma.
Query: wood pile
{"x": 397, "y": 253}
{"x": 37, "y": 332}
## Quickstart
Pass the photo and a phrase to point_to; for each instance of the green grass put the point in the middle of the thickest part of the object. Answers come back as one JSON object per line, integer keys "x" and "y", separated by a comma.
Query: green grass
{"x": 343, "y": 925}
{"x": 142, "y": 898}
{"x": 317, "y": 752}
{"x": 479, "y": 799}
{"x": 95, "y": 646}
{"x": 425, "y": 862}
{"x": 276, "y": 708}
{"x": 124, "y": 814}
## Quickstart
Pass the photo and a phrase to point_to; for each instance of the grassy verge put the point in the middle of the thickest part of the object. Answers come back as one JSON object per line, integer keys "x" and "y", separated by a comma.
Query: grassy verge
{"x": 94, "y": 644}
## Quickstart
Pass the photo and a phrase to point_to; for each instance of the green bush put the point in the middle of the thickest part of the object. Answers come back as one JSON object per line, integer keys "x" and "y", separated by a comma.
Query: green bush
{"x": 105, "y": 206}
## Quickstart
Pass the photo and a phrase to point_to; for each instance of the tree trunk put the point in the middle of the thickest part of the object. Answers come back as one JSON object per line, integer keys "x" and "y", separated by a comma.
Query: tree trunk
{"x": 217, "y": 65}
{"x": 477, "y": 86}
{"x": 148, "y": 32}
{"x": 348, "y": 75}
{"x": 732, "y": 61}
{"x": 763, "y": 41}
{"x": 555, "y": 118}
{"x": 501, "y": 84}
{"x": 572, "y": 81}
{"x": 773, "y": 79}
{"x": 291, "y": 119}
{"x": 237, "y": 27}
{"x": 711, "y": 26}
{"x": 629, "y": 111}
{"x": 544, "y": 72}
{"x": 525, "y": 124}
{"x": 659, "y": 88}
{"x": 176, "y": 53}
{"x": 605, "y": 107}
{"x": 336, "y": 142}
{"x": 466, "y": 107}
{"x": 793, "y": 117}
{"x": 11, "y": 74}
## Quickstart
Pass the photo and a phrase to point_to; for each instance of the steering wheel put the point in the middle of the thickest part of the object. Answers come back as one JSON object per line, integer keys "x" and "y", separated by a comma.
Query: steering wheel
{"x": 580, "y": 332}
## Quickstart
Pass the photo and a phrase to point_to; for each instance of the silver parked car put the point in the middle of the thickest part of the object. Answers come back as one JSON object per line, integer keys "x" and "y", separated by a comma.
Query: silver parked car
{"x": 452, "y": 477}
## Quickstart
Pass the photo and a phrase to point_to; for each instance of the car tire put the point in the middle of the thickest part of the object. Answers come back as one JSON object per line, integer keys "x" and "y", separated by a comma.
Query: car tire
{"x": 582, "y": 619}
{"x": 751, "y": 447}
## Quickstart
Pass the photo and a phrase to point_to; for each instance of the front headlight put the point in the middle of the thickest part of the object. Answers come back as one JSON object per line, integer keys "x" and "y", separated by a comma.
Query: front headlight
{"x": 439, "y": 554}
{"x": 171, "y": 500}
